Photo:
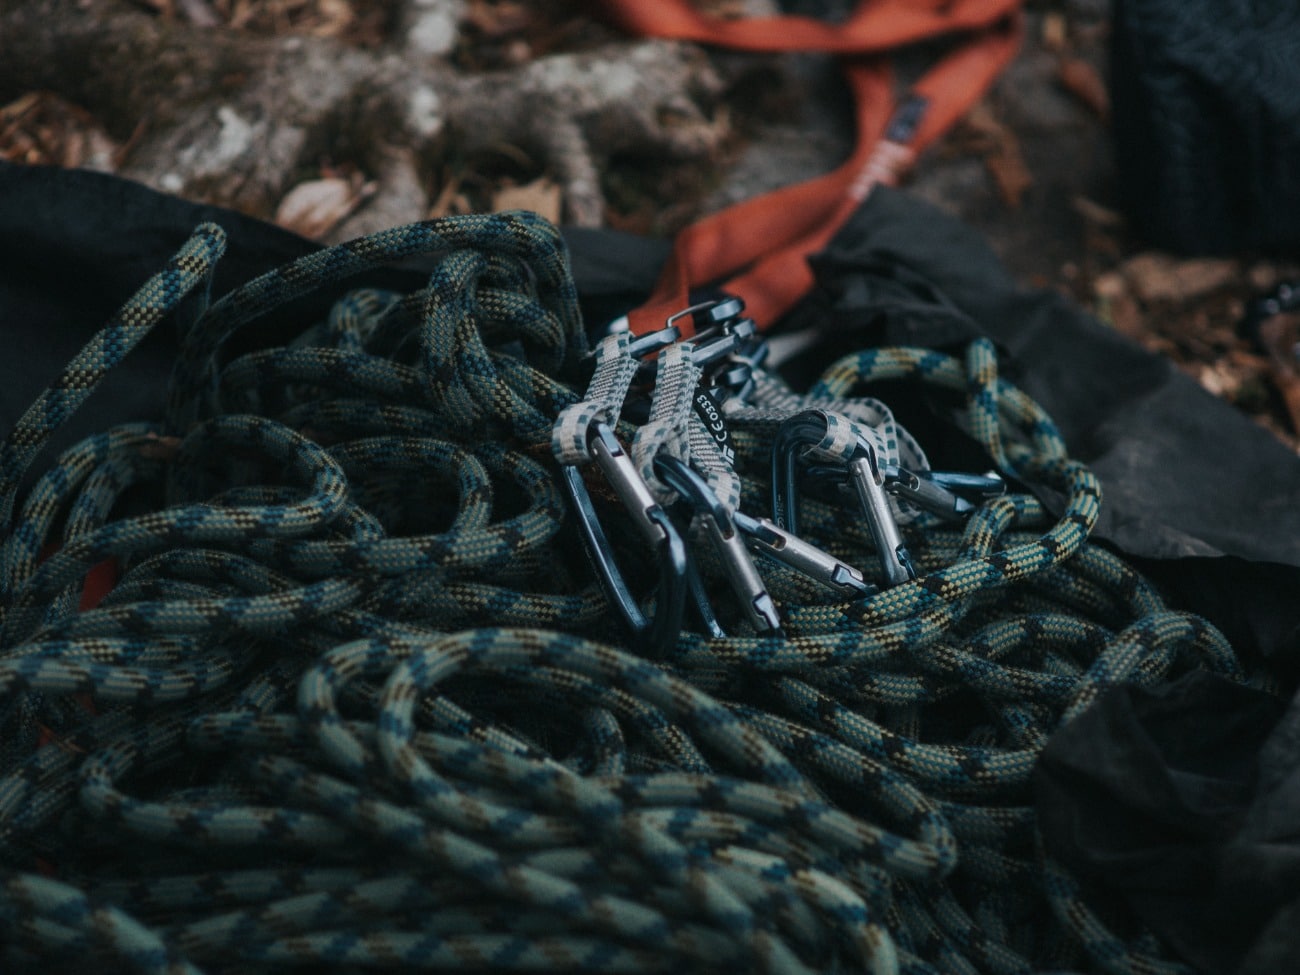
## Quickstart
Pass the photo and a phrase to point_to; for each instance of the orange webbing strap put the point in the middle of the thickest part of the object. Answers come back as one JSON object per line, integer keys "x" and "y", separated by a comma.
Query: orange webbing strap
{"x": 98, "y": 583}
{"x": 875, "y": 27}
{"x": 758, "y": 249}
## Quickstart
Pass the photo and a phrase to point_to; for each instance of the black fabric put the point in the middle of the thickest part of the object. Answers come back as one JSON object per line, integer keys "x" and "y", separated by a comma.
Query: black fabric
{"x": 1185, "y": 801}
{"x": 1206, "y": 110}
{"x": 73, "y": 247}
{"x": 1184, "y": 473}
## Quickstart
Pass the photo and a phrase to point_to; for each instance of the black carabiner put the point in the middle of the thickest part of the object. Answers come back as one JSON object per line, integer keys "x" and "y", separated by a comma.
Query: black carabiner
{"x": 652, "y": 637}
{"x": 755, "y": 601}
{"x": 807, "y": 429}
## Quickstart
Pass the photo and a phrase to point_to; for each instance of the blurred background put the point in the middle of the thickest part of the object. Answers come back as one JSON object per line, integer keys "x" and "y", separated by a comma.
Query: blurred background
{"x": 338, "y": 117}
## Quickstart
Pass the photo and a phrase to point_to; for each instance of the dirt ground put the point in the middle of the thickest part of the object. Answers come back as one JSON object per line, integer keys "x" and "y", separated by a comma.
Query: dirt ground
{"x": 1031, "y": 167}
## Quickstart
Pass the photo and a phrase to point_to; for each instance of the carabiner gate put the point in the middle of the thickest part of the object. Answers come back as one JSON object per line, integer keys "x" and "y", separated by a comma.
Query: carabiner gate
{"x": 756, "y": 602}
{"x": 807, "y": 429}
{"x": 654, "y": 636}
{"x": 791, "y": 550}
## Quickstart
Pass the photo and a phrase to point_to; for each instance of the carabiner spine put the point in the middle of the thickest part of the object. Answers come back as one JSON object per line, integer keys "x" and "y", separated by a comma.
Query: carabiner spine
{"x": 628, "y": 484}
{"x": 870, "y": 489}
{"x": 749, "y": 587}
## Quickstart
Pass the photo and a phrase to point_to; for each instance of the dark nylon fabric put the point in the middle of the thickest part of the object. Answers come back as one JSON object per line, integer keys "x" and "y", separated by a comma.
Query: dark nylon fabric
{"x": 72, "y": 246}
{"x": 1208, "y": 500}
{"x": 1206, "y": 100}
{"x": 1184, "y": 799}
{"x": 1185, "y": 474}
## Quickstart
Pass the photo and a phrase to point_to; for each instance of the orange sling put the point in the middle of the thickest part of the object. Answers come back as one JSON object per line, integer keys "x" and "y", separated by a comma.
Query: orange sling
{"x": 757, "y": 250}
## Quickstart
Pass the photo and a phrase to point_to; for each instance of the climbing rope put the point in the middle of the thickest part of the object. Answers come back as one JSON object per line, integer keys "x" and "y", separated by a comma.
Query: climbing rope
{"x": 355, "y": 701}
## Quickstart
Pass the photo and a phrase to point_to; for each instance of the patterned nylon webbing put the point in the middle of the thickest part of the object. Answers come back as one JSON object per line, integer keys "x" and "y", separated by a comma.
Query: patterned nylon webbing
{"x": 354, "y": 704}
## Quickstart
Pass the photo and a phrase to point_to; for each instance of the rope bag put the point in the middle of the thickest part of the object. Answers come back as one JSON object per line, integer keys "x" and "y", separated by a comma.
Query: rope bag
{"x": 352, "y": 703}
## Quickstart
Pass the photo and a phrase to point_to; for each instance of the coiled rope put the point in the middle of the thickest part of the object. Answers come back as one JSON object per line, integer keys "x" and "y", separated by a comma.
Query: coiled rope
{"x": 353, "y": 704}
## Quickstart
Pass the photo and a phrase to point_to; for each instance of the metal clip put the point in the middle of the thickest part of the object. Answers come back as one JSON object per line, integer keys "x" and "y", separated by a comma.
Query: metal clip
{"x": 652, "y": 343}
{"x": 718, "y": 330}
{"x": 807, "y": 429}
{"x": 723, "y": 340}
{"x": 951, "y": 495}
{"x": 747, "y": 584}
{"x": 655, "y": 636}
{"x": 925, "y": 493}
{"x": 791, "y": 550}
{"x": 707, "y": 315}
{"x": 733, "y": 378}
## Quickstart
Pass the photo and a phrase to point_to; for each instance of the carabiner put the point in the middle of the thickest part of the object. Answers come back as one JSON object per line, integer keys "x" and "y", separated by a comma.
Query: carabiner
{"x": 718, "y": 330}
{"x": 651, "y": 637}
{"x": 946, "y": 494}
{"x": 708, "y": 315}
{"x": 733, "y": 378}
{"x": 951, "y": 495}
{"x": 722, "y": 340}
{"x": 791, "y": 550}
{"x": 807, "y": 429}
{"x": 756, "y": 602}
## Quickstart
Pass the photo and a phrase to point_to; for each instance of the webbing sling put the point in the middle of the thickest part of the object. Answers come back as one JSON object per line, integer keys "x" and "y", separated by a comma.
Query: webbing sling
{"x": 758, "y": 249}
{"x": 356, "y": 708}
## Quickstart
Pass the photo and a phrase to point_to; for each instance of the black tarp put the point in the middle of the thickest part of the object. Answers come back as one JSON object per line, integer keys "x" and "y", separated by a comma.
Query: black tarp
{"x": 1186, "y": 800}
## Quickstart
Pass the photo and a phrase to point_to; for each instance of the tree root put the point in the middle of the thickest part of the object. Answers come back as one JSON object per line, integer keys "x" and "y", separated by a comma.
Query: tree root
{"x": 236, "y": 119}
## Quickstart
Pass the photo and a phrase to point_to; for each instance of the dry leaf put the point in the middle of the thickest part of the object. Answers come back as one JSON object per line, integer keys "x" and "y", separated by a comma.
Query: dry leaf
{"x": 541, "y": 196}
{"x": 199, "y": 13}
{"x": 40, "y": 128}
{"x": 315, "y": 207}
{"x": 1081, "y": 79}
{"x": 979, "y": 127}
{"x": 1155, "y": 277}
{"x": 443, "y": 203}
{"x": 1117, "y": 306}
{"x": 495, "y": 20}
{"x": 1218, "y": 380}
{"x": 1000, "y": 150}
{"x": 336, "y": 17}
{"x": 1097, "y": 214}
{"x": 1007, "y": 165}
{"x": 1054, "y": 31}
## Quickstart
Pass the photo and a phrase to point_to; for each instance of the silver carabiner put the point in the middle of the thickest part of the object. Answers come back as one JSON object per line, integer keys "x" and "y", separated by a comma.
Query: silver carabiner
{"x": 940, "y": 492}
{"x": 653, "y": 636}
{"x": 802, "y": 556}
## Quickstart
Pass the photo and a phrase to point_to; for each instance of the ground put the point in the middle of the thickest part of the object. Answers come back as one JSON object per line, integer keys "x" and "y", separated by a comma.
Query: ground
{"x": 338, "y": 117}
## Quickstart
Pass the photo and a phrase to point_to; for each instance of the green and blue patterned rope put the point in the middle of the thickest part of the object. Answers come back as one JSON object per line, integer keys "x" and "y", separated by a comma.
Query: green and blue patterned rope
{"x": 353, "y": 704}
